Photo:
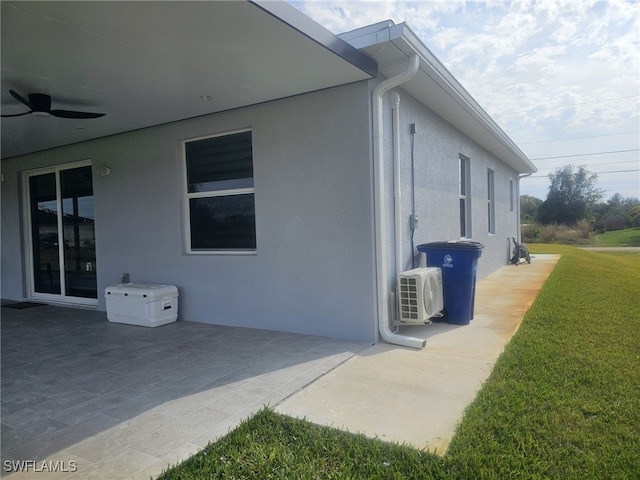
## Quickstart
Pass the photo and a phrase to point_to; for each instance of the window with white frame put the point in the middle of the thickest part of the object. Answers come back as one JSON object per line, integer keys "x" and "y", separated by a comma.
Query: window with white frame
{"x": 491, "y": 201}
{"x": 465, "y": 197}
{"x": 512, "y": 195}
{"x": 220, "y": 193}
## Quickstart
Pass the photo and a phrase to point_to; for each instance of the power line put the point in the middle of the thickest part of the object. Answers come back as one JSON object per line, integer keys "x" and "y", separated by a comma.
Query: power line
{"x": 579, "y": 138}
{"x": 567, "y": 106}
{"x": 597, "y": 173}
{"x": 587, "y": 154}
{"x": 612, "y": 163}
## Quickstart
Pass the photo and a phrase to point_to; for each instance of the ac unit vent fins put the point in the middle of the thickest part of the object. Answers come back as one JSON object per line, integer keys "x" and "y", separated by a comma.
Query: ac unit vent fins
{"x": 420, "y": 295}
{"x": 409, "y": 298}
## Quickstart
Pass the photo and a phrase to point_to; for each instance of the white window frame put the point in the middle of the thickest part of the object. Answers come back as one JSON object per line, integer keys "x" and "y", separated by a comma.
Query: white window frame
{"x": 464, "y": 190}
{"x": 491, "y": 201}
{"x": 209, "y": 194}
{"x": 512, "y": 195}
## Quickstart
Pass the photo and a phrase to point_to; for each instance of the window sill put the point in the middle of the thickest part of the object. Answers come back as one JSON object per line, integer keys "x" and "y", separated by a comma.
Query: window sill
{"x": 223, "y": 252}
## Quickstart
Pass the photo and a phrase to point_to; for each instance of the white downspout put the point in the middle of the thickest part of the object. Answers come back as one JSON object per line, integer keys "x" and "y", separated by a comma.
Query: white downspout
{"x": 379, "y": 209}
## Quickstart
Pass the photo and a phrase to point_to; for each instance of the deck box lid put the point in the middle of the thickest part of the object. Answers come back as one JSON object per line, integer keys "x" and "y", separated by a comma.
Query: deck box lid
{"x": 141, "y": 290}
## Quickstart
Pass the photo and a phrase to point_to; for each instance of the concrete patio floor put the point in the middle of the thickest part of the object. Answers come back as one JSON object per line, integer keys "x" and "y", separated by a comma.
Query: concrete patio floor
{"x": 114, "y": 401}
{"x": 418, "y": 397}
{"x": 125, "y": 402}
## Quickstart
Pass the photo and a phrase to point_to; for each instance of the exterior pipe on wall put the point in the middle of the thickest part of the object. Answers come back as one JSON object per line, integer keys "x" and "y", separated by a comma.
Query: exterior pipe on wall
{"x": 397, "y": 188}
{"x": 379, "y": 208}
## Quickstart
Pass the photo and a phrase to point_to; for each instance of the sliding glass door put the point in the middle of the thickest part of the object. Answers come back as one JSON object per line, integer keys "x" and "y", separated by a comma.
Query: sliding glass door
{"x": 63, "y": 251}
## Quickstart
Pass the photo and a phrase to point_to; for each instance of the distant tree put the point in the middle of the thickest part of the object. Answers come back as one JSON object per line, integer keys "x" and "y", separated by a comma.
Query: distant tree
{"x": 618, "y": 212}
{"x": 635, "y": 216}
{"x": 572, "y": 196}
{"x": 529, "y": 208}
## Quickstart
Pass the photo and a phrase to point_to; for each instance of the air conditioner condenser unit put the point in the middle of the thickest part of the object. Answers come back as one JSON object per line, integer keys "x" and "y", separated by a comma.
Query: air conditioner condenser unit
{"x": 419, "y": 295}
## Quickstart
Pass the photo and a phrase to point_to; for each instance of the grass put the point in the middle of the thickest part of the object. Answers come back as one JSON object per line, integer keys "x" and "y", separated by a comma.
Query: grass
{"x": 629, "y": 237}
{"x": 563, "y": 401}
{"x": 274, "y": 446}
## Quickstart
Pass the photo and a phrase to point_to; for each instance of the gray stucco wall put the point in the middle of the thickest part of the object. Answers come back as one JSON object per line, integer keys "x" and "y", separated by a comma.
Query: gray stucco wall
{"x": 313, "y": 271}
{"x": 437, "y": 147}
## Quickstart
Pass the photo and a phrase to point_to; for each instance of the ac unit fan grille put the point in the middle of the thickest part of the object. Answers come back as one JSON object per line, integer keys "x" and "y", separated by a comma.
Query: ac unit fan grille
{"x": 419, "y": 295}
{"x": 409, "y": 299}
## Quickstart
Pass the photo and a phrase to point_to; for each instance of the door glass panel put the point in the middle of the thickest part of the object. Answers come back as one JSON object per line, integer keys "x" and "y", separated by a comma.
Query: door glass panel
{"x": 44, "y": 228}
{"x": 78, "y": 232}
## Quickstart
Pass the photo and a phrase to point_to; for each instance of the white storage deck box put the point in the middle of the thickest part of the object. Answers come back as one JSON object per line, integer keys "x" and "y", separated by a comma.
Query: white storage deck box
{"x": 142, "y": 304}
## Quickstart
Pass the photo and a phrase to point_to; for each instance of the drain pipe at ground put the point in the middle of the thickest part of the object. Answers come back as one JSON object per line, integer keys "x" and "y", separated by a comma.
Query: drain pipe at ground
{"x": 379, "y": 208}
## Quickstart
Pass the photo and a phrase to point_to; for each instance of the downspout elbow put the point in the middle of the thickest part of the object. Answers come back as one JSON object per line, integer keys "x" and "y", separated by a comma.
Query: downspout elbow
{"x": 399, "y": 79}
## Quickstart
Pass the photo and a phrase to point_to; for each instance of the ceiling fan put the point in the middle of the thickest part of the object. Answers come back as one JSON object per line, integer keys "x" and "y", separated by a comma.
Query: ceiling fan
{"x": 40, "y": 103}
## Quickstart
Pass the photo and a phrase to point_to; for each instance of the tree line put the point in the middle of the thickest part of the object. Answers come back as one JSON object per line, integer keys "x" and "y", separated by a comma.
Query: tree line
{"x": 574, "y": 197}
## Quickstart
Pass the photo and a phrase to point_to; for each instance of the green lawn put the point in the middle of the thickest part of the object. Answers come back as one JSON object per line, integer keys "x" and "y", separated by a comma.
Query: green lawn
{"x": 563, "y": 401}
{"x": 629, "y": 237}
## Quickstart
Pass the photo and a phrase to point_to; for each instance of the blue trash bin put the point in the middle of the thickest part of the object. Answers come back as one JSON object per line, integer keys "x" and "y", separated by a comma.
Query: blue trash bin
{"x": 458, "y": 260}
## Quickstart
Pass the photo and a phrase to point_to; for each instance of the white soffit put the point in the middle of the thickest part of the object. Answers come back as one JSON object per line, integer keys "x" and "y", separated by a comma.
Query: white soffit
{"x": 147, "y": 63}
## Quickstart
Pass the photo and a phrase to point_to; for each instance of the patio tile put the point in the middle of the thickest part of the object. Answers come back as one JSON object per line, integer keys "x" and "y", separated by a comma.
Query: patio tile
{"x": 28, "y": 408}
{"x": 87, "y": 410}
{"x": 28, "y": 433}
{"x": 136, "y": 405}
{"x": 62, "y": 467}
{"x": 54, "y": 441}
{"x": 126, "y": 464}
{"x": 203, "y": 379}
{"x": 119, "y": 437}
{"x": 181, "y": 431}
{"x": 204, "y": 398}
{"x": 127, "y": 401}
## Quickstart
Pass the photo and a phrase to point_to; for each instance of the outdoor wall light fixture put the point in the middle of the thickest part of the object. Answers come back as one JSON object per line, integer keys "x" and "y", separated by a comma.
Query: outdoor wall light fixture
{"x": 103, "y": 171}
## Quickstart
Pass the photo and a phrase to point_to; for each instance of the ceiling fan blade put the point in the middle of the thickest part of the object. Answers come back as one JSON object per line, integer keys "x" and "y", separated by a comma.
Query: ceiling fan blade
{"x": 40, "y": 103}
{"x": 72, "y": 114}
{"x": 17, "y": 96}
{"x": 16, "y": 114}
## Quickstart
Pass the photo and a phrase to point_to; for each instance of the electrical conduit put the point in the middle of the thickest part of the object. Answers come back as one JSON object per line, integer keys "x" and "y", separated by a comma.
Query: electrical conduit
{"x": 379, "y": 209}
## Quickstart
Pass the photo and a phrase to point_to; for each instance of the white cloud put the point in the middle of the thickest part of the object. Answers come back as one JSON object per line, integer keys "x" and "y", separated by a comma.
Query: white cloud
{"x": 545, "y": 69}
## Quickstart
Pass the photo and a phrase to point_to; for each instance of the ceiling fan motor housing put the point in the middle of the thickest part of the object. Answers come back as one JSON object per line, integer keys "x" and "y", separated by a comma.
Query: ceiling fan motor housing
{"x": 40, "y": 102}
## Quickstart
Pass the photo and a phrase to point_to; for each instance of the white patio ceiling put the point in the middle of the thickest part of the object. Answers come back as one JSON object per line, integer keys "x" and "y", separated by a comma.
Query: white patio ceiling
{"x": 149, "y": 63}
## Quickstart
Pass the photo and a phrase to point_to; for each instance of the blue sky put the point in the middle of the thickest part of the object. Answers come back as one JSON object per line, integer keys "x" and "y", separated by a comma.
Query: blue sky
{"x": 562, "y": 78}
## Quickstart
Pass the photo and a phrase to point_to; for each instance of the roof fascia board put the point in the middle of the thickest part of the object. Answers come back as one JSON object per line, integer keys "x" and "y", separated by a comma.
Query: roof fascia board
{"x": 316, "y": 32}
{"x": 369, "y": 35}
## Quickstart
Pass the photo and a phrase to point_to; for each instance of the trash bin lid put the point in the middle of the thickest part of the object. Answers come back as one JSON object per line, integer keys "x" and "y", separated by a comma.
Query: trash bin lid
{"x": 451, "y": 245}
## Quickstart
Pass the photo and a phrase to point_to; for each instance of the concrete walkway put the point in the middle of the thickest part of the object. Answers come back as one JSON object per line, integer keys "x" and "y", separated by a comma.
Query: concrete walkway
{"x": 418, "y": 396}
